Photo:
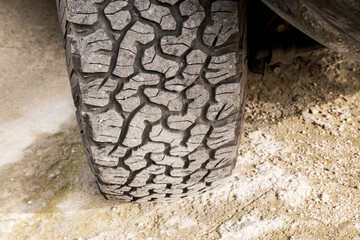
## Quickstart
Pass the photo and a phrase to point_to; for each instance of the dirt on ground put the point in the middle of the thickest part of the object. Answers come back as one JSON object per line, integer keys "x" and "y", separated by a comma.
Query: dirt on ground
{"x": 297, "y": 175}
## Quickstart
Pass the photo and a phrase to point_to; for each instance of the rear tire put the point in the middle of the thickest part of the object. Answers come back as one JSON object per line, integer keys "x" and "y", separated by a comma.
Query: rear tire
{"x": 159, "y": 88}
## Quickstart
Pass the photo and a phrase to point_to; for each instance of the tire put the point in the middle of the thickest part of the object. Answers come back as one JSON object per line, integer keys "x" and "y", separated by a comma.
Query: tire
{"x": 159, "y": 88}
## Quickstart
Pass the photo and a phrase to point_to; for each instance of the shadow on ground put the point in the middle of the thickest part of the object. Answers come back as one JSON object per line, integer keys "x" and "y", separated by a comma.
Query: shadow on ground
{"x": 52, "y": 168}
{"x": 315, "y": 79}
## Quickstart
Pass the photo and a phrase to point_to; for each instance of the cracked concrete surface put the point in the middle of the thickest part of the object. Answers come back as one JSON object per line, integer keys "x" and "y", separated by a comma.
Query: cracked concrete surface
{"x": 298, "y": 171}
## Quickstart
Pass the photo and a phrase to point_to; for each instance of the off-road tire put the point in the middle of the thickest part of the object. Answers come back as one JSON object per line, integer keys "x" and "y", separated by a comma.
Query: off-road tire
{"x": 159, "y": 88}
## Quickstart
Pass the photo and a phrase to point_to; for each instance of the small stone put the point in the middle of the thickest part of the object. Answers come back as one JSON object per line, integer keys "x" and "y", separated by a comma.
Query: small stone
{"x": 277, "y": 70}
{"x": 281, "y": 28}
{"x": 314, "y": 110}
{"x": 324, "y": 197}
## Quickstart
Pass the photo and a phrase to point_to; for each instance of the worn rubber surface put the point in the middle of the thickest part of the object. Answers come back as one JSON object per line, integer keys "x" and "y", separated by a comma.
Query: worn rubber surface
{"x": 159, "y": 88}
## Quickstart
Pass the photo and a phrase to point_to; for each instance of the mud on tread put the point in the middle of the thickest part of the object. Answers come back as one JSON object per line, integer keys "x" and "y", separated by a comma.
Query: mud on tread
{"x": 159, "y": 89}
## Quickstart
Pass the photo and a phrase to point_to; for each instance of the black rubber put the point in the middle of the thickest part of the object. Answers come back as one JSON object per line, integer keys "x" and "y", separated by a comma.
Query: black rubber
{"x": 159, "y": 89}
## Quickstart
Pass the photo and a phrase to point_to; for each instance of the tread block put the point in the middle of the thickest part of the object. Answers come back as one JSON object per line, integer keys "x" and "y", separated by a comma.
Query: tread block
{"x": 140, "y": 192}
{"x": 171, "y": 2}
{"x": 197, "y": 134}
{"x": 91, "y": 49}
{"x": 223, "y": 157}
{"x": 221, "y": 135}
{"x": 112, "y": 175}
{"x": 139, "y": 32}
{"x": 106, "y": 126}
{"x": 197, "y": 158}
{"x": 224, "y": 23}
{"x": 121, "y": 198}
{"x": 118, "y": 18}
{"x": 159, "y": 134}
{"x": 136, "y": 162}
{"x": 125, "y": 63}
{"x": 142, "y": 79}
{"x": 95, "y": 92}
{"x": 222, "y": 67}
{"x": 137, "y": 124}
{"x": 170, "y": 191}
{"x": 228, "y": 104}
{"x": 199, "y": 95}
{"x": 178, "y": 45}
{"x": 180, "y": 172}
{"x": 178, "y": 84}
{"x": 128, "y": 99}
{"x": 153, "y": 62}
{"x": 162, "y": 159}
{"x": 168, "y": 22}
{"x": 140, "y": 179}
{"x": 156, "y": 13}
{"x": 81, "y": 11}
{"x": 105, "y": 156}
{"x": 137, "y": 159}
{"x": 183, "y": 122}
{"x": 155, "y": 169}
{"x": 197, "y": 176}
{"x": 189, "y": 7}
{"x": 163, "y": 178}
{"x": 167, "y": 99}
{"x": 113, "y": 188}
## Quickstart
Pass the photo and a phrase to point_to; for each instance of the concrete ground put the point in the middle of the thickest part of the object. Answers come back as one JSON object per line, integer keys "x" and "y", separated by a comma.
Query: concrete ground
{"x": 298, "y": 171}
